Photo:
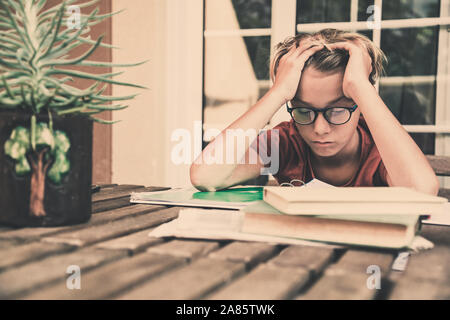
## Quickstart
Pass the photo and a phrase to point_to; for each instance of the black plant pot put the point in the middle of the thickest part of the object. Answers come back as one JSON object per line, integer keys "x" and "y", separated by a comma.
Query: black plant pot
{"x": 66, "y": 203}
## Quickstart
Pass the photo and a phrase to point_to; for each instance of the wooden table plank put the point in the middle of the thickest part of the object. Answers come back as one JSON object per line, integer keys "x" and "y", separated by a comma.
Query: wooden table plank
{"x": 266, "y": 282}
{"x": 191, "y": 282}
{"x": 189, "y": 249}
{"x": 250, "y": 253}
{"x": 30, "y": 277}
{"x": 133, "y": 243}
{"x": 115, "y": 192}
{"x": 35, "y": 234}
{"x": 347, "y": 279}
{"x": 117, "y": 198}
{"x": 113, "y": 278}
{"x": 427, "y": 276}
{"x": 19, "y": 255}
{"x": 109, "y": 205}
{"x": 312, "y": 259}
{"x": 282, "y": 276}
{"x": 98, "y": 233}
{"x": 440, "y": 164}
{"x": 439, "y": 235}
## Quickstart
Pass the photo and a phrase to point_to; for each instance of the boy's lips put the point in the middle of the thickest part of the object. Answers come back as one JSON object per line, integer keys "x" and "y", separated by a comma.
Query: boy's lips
{"x": 322, "y": 144}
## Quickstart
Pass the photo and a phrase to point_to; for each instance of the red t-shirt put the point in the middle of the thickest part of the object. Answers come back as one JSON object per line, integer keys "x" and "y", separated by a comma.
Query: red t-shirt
{"x": 295, "y": 160}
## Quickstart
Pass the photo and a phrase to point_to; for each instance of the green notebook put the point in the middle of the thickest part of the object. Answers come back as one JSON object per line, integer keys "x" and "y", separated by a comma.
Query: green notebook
{"x": 386, "y": 231}
{"x": 232, "y": 198}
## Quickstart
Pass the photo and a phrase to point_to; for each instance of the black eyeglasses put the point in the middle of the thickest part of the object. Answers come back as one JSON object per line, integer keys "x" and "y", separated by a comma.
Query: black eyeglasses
{"x": 334, "y": 115}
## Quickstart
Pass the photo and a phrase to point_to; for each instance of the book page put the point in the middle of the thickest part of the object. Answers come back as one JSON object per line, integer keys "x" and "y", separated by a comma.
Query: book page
{"x": 440, "y": 219}
{"x": 219, "y": 225}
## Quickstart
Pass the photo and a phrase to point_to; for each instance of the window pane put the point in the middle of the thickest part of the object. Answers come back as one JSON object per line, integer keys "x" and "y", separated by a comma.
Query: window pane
{"x": 367, "y": 33}
{"x": 236, "y": 76}
{"x": 363, "y": 7}
{"x": 258, "y": 49}
{"x": 410, "y": 51}
{"x": 425, "y": 141}
{"x": 403, "y": 9}
{"x": 237, "y": 14}
{"x": 313, "y": 11}
{"x": 253, "y": 13}
{"x": 411, "y": 103}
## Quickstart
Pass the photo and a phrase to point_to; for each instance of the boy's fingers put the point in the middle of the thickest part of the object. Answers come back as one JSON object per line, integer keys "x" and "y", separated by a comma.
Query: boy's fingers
{"x": 309, "y": 52}
{"x": 306, "y": 45}
{"x": 341, "y": 45}
{"x": 289, "y": 53}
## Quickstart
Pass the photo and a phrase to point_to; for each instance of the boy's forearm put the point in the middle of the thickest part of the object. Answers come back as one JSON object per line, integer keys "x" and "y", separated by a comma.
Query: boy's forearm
{"x": 404, "y": 161}
{"x": 211, "y": 176}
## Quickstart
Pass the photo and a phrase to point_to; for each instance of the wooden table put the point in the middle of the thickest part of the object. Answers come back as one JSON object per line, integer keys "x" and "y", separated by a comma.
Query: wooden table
{"x": 118, "y": 260}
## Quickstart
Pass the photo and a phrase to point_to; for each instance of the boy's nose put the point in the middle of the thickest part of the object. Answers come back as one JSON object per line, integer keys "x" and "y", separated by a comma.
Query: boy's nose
{"x": 321, "y": 125}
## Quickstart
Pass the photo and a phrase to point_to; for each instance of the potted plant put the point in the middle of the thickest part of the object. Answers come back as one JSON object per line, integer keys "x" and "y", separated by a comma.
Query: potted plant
{"x": 45, "y": 121}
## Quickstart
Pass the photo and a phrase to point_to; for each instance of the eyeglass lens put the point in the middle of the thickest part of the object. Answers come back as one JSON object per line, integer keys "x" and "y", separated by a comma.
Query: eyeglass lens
{"x": 334, "y": 115}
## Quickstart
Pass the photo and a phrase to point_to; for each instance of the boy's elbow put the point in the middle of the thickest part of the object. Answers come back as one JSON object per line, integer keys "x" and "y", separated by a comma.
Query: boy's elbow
{"x": 430, "y": 187}
{"x": 198, "y": 180}
{"x": 434, "y": 186}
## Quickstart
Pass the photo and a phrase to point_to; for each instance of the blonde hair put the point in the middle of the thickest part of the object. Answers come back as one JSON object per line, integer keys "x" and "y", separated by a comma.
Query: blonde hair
{"x": 326, "y": 60}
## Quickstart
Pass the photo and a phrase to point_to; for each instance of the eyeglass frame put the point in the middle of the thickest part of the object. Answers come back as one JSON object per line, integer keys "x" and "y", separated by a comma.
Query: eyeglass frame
{"x": 322, "y": 110}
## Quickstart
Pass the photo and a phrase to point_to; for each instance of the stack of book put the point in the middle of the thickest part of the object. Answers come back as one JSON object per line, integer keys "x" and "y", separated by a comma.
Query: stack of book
{"x": 388, "y": 217}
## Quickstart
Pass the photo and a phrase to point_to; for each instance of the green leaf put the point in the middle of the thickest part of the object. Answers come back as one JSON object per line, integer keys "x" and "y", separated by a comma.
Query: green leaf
{"x": 108, "y": 64}
{"x": 110, "y": 98}
{"x": 85, "y": 75}
{"x": 71, "y": 110}
{"x": 102, "y": 121}
{"x": 107, "y": 107}
{"x": 61, "y": 166}
{"x": 54, "y": 50}
{"x": 22, "y": 167}
{"x": 62, "y": 142}
{"x": 104, "y": 45}
{"x": 73, "y": 61}
{"x": 22, "y": 135}
{"x": 60, "y": 15}
{"x": 44, "y": 136}
{"x": 15, "y": 149}
{"x": 33, "y": 132}
{"x": 22, "y": 34}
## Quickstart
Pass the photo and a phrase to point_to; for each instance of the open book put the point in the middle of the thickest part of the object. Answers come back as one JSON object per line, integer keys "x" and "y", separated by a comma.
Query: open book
{"x": 232, "y": 198}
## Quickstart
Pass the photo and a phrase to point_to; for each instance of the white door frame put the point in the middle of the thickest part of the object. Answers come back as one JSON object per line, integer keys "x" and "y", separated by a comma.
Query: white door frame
{"x": 184, "y": 81}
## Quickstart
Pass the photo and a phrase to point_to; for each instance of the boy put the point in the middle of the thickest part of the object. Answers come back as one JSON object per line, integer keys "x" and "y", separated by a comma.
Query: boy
{"x": 341, "y": 131}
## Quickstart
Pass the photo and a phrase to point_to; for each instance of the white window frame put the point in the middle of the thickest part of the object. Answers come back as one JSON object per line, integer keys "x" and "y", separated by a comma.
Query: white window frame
{"x": 183, "y": 82}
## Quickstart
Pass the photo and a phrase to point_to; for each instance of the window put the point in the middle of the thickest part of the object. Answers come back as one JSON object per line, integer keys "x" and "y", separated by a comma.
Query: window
{"x": 414, "y": 34}
{"x": 236, "y": 62}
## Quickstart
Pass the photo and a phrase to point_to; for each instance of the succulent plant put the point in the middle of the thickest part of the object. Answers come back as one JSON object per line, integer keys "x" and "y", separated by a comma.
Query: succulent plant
{"x": 34, "y": 48}
{"x": 37, "y": 77}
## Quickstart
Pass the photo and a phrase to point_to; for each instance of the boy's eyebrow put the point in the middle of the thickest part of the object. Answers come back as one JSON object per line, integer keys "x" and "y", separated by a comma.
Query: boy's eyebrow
{"x": 306, "y": 103}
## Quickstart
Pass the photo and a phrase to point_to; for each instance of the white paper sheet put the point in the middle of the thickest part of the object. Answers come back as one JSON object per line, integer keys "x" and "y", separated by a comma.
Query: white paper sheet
{"x": 219, "y": 225}
{"x": 441, "y": 219}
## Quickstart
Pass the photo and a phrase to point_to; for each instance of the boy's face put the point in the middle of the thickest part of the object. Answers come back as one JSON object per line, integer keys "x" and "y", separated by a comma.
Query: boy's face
{"x": 319, "y": 90}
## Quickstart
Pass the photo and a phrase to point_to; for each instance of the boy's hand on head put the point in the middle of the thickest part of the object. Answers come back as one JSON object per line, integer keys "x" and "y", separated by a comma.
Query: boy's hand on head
{"x": 358, "y": 68}
{"x": 291, "y": 66}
